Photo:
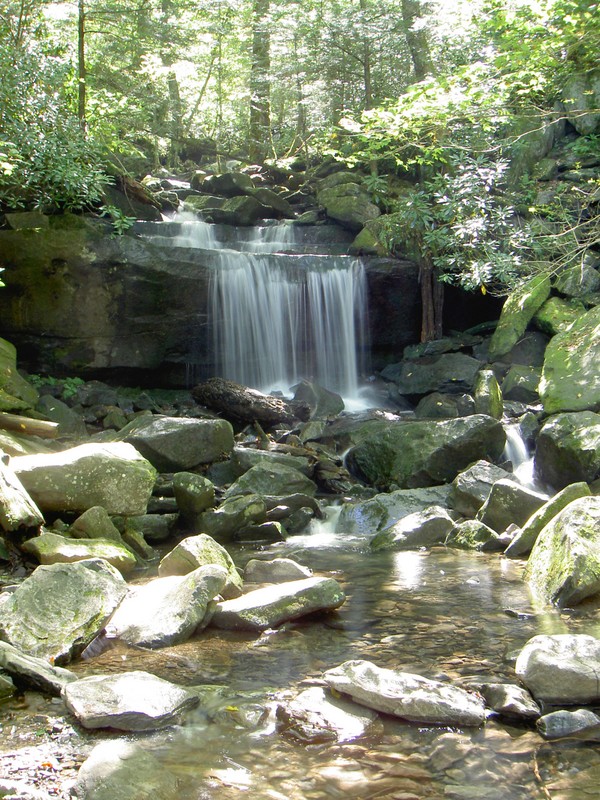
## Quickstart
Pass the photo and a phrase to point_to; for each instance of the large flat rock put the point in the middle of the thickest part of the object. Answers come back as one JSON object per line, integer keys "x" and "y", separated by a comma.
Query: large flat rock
{"x": 561, "y": 669}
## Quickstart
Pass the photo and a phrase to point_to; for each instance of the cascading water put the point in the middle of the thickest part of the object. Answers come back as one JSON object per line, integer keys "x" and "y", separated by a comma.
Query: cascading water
{"x": 517, "y": 453}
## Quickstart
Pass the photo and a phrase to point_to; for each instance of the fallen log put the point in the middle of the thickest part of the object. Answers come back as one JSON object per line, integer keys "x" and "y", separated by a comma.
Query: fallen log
{"x": 241, "y": 404}
{"x": 17, "y": 509}
{"x": 32, "y": 427}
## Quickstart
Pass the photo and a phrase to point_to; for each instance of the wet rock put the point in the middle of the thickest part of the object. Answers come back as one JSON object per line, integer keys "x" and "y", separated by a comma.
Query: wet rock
{"x": 114, "y": 476}
{"x": 65, "y": 606}
{"x": 130, "y": 701}
{"x": 561, "y": 669}
{"x": 474, "y": 535}
{"x": 167, "y": 611}
{"x": 269, "y": 531}
{"x": 273, "y": 479}
{"x": 471, "y": 488}
{"x": 570, "y": 379}
{"x": 509, "y": 503}
{"x": 316, "y": 716}
{"x": 425, "y": 453}
{"x": 406, "y": 695}
{"x": 510, "y": 700}
{"x": 521, "y": 384}
{"x": 121, "y": 770}
{"x": 193, "y": 493}
{"x": 95, "y": 523}
{"x": 50, "y": 548}
{"x": 244, "y": 458}
{"x": 269, "y": 607}
{"x": 199, "y": 551}
{"x": 368, "y": 516}
{"x": 444, "y": 406}
{"x": 277, "y": 570}
{"x": 173, "y": 444}
{"x": 234, "y": 514}
{"x": 518, "y": 310}
{"x": 564, "y": 565}
{"x": 558, "y": 315}
{"x": 323, "y": 403}
{"x": 582, "y": 724}
{"x": 29, "y": 672}
{"x": 527, "y": 536}
{"x": 449, "y": 372}
{"x": 488, "y": 395}
{"x": 568, "y": 449}
{"x": 421, "y": 529}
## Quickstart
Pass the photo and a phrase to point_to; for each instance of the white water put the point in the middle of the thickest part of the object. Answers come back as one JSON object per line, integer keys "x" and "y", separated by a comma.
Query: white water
{"x": 517, "y": 453}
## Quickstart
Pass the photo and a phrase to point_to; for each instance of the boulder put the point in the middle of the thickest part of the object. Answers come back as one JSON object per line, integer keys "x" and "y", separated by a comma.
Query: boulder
{"x": 581, "y": 96}
{"x": 269, "y": 607}
{"x": 562, "y": 669}
{"x": 322, "y": 402}
{"x": 315, "y": 716}
{"x": 242, "y": 211}
{"x": 199, "y": 551}
{"x": 277, "y": 570}
{"x": 95, "y": 523}
{"x": 129, "y": 701}
{"x": 510, "y": 701}
{"x": 153, "y": 527}
{"x": 579, "y": 280}
{"x": 509, "y": 504}
{"x": 527, "y": 536}
{"x": 241, "y": 404}
{"x": 580, "y": 724}
{"x": 349, "y": 204}
{"x": 234, "y": 514}
{"x": 444, "y": 406}
{"x": 244, "y": 458}
{"x": 272, "y": 479}
{"x": 406, "y": 695}
{"x": 229, "y": 184}
{"x": 172, "y": 444}
{"x": 449, "y": 372}
{"x": 114, "y": 476}
{"x": 488, "y": 395}
{"x": 521, "y": 384}
{"x": 274, "y": 202}
{"x": 65, "y": 606}
{"x": 474, "y": 535}
{"x": 167, "y": 611}
{"x": 11, "y": 381}
{"x": 568, "y": 449}
{"x": 570, "y": 378}
{"x": 70, "y": 423}
{"x": 121, "y": 770}
{"x": 471, "y": 487}
{"x": 369, "y": 516}
{"x": 194, "y": 495}
{"x": 518, "y": 310}
{"x": 421, "y": 529}
{"x": 50, "y": 548}
{"x": 423, "y": 453}
{"x": 29, "y": 672}
{"x": 564, "y": 565}
{"x": 558, "y": 315}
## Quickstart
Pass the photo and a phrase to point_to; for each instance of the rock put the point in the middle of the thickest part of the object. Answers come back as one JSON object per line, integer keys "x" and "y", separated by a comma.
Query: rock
{"x": 579, "y": 280}
{"x": 561, "y": 669}
{"x": 229, "y": 184}
{"x": 273, "y": 201}
{"x": 424, "y": 453}
{"x": 65, "y": 606}
{"x": 241, "y": 404}
{"x": 449, "y": 372}
{"x": 167, "y": 611}
{"x": 471, "y": 488}
{"x": 444, "y": 406}
{"x": 581, "y": 96}
{"x": 272, "y": 479}
{"x": 114, "y": 476}
{"x": 199, "y": 551}
{"x": 244, "y": 458}
{"x": 528, "y": 351}
{"x": 69, "y": 422}
{"x": 7, "y": 689}
{"x": 406, "y": 695}
{"x": 234, "y": 514}
{"x": 322, "y": 402}
{"x": 521, "y": 384}
{"x": 570, "y": 378}
{"x": 269, "y": 607}
{"x": 95, "y": 523}
{"x": 488, "y": 395}
{"x": 135, "y": 541}
{"x": 557, "y": 315}
{"x": 277, "y": 570}
{"x": 568, "y": 449}
{"x": 518, "y": 310}
{"x": 129, "y": 701}
{"x": 121, "y": 770}
{"x": 421, "y": 529}
{"x": 582, "y": 724}
{"x": 270, "y": 531}
{"x": 564, "y": 565}
{"x": 510, "y": 701}
{"x": 474, "y": 535}
{"x": 172, "y": 444}
{"x": 315, "y": 716}
{"x": 509, "y": 503}
{"x": 29, "y": 672}
{"x": 241, "y": 211}
{"x": 153, "y": 527}
{"x": 368, "y": 516}
{"x": 194, "y": 495}
{"x": 50, "y": 548}
{"x": 11, "y": 380}
{"x": 349, "y": 204}
{"x": 527, "y": 536}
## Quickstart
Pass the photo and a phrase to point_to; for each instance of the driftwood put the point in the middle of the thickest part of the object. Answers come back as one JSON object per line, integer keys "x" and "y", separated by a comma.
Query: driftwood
{"x": 17, "y": 509}
{"x": 32, "y": 427}
{"x": 240, "y": 404}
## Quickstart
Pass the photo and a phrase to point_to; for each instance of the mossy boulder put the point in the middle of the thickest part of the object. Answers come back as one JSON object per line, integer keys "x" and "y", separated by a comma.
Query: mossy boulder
{"x": 557, "y": 315}
{"x": 568, "y": 449}
{"x": 473, "y": 535}
{"x": 571, "y": 378}
{"x": 488, "y": 395}
{"x": 51, "y": 548}
{"x": 349, "y": 204}
{"x": 15, "y": 389}
{"x": 199, "y": 551}
{"x": 517, "y": 312}
{"x": 521, "y": 384}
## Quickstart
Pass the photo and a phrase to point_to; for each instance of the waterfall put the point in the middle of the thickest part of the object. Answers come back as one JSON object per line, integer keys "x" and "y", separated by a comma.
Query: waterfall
{"x": 517, "y": 453}
{"x": 277, "y": 313}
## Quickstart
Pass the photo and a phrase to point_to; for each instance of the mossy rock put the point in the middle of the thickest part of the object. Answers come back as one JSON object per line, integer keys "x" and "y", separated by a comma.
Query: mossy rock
{"x": 557, "y": 315}
{"x": 517, "y": 312}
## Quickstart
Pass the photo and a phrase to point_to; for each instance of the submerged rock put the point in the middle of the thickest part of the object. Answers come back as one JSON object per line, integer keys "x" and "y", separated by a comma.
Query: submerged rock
{"x": 406, "y": 695}
{"x": 269, "y": 607}
{"x": 65, "y": 605}
{"x": 561, "y": 669}
{"x": 130, "y": 701}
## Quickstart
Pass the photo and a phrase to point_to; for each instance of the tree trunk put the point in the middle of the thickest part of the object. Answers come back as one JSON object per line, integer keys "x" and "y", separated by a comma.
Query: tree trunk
{"x": 432, "y": 302}
{"x": 260, "y": 86}
{"x": 176, "y": 122}
{"x": 366, "y": 58}
{"x": 81, "y": 68}
{"x": 417, "y": 39}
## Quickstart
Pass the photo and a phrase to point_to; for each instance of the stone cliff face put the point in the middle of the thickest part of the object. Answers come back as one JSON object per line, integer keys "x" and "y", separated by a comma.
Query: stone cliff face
{"x": 81, "y": 301}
